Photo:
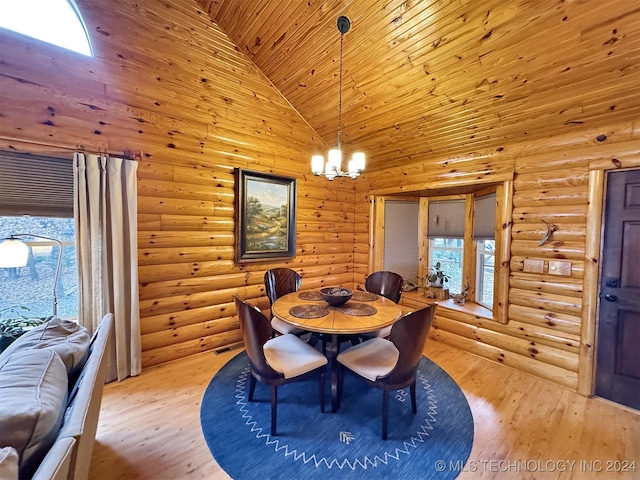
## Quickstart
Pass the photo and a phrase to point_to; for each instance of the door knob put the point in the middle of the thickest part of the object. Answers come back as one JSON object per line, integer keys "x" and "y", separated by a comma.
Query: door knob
{"x": 610, "y": 298}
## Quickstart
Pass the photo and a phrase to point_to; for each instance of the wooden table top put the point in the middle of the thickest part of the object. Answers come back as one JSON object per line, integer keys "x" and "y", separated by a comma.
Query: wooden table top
{"x": 337, "y": 322}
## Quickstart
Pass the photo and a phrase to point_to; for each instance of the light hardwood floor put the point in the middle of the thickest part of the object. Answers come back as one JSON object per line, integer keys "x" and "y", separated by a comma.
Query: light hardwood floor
{"x": 525, "y": 428}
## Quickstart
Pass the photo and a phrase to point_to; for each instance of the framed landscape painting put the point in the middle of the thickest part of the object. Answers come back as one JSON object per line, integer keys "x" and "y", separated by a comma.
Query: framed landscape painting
{"x": 266, "y": 216}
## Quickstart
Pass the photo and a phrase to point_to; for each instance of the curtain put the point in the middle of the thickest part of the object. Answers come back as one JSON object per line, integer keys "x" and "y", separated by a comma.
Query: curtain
{"x": 105, "y": 209}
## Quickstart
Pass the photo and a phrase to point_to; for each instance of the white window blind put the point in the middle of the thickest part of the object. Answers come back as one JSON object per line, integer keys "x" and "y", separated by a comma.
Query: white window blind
{"x": 35, "y": 185}
{"x": 401, "y": 238}
{"x": 484, "y": 222}
{"x": 446, "y": 219}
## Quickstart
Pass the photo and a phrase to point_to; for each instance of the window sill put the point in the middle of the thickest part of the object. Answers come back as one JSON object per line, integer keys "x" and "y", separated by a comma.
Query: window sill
{"x": 471, "y": 308}
{"x": 416, "y": 298}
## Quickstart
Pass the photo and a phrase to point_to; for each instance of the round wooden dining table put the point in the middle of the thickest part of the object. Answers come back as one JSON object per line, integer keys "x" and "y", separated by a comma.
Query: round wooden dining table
{"x": 364, "y": 313}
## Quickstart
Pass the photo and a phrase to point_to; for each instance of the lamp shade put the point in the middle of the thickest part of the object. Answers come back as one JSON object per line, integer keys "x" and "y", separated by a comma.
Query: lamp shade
{"x": 335, "y": 160}
{"x": 358, "y": 161}
{"x": 13, "y": 253}
{"x": 317, "y": 164}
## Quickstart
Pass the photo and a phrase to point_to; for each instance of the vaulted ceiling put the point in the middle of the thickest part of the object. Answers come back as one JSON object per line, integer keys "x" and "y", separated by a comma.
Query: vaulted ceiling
{"x": 427, "y": 78}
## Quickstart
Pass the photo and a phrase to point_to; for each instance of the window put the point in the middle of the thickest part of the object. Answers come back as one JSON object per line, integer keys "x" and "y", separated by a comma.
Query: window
{"x": 53, "y": 21}
{"x": 38, "y": 200}
{"x": 401, "y": 238}
{"x": 485, "y": 268}
{"x": 484, "y": 225}
{"x": 467, "y": 229}
{"x": 470, "y": 265}
{"x": 32, "y": 286}
{"x": 450, "y": 253}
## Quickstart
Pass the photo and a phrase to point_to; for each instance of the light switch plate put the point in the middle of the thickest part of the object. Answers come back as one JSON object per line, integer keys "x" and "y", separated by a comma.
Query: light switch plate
{"x": 533, "y": 266}
{"x": 559, "y": 267}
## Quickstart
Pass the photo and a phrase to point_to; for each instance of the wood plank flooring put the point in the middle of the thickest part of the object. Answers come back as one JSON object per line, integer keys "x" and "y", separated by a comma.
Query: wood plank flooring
{"x": 525, "y": 428}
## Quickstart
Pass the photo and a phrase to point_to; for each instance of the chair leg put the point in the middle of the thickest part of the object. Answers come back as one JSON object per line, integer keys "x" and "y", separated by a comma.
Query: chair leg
{"x": 322, "y": 380}
{"x": 385, "y": 413}
{"x": 412, "y": 389}
{"x": 252, "y": 386}
{"x": 274, "y": 408}
{"x": 340, "y": 383}
{"x": 314, "y": 338}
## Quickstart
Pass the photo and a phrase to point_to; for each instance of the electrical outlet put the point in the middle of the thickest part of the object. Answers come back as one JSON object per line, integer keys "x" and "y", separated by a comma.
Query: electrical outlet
{"x": 557, "y": 267}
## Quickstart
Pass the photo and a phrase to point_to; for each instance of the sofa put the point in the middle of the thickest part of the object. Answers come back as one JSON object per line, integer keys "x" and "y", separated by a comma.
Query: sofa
{"x": 51, "y": 383}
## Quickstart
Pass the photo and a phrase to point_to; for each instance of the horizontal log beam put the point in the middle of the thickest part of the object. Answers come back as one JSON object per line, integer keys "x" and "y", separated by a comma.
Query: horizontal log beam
{"x": 537, "y": 317}
{"x": 525, "y": 347}
{"x": 505, "y": 357}
{"x": 190, "y": 347}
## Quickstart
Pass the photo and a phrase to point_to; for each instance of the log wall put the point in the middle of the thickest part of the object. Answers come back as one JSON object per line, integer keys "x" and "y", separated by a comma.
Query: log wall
{"x": 545, "y": 330}
{"x": 167, "y": 82}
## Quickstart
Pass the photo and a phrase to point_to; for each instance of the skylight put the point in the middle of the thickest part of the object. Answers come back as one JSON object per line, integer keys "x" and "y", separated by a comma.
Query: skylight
{"x": 53, "y": 21}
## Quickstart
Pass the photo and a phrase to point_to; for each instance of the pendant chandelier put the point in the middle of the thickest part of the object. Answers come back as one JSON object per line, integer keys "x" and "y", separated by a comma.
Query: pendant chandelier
{"x": 333, "y": 167}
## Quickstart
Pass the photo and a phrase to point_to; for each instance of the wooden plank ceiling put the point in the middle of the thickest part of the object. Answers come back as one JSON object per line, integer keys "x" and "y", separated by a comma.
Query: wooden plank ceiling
{"x": 427, "y": 78}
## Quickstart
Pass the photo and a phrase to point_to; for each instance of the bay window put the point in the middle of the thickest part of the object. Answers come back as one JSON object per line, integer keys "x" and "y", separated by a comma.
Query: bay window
{"x": 467, "y": 229}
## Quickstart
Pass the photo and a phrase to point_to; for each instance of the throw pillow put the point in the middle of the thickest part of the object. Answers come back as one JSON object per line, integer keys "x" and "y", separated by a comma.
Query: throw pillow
{"x": 33, "y": 397}
{"x": 66, "y": 338}
{"x": 8, "y": 463}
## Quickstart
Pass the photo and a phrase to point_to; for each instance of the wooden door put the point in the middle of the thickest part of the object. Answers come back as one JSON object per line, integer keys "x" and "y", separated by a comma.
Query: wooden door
{"x": 618, "y": 341}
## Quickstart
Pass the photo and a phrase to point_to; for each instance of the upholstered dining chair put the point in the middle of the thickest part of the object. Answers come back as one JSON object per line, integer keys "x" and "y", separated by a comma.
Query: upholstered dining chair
{"x": 385, "y": 283}
{"x": 276, "y": 361}
{"x": 279, "y": 282}
{"x": 390, "y": 364}
{"x": 389, "y": 285}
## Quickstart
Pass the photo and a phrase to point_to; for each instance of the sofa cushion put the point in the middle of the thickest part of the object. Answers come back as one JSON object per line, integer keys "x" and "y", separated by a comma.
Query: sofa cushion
{"x": 33, "y": 397}
{"x": 69, "y": 340}
{"x": 8, "y": 463}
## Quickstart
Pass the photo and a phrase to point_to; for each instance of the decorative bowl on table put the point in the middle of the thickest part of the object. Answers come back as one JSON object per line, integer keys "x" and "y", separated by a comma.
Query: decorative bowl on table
{"x": 336, "y": 296}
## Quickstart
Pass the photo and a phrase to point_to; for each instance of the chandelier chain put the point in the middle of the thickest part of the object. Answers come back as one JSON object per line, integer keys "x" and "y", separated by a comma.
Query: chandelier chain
{"x": 340, "y": 97}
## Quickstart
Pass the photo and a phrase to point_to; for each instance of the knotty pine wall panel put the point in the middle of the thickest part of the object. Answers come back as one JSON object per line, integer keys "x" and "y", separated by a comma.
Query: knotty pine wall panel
{"x": 551, "y": 184}
{"x": 167, "y": 82}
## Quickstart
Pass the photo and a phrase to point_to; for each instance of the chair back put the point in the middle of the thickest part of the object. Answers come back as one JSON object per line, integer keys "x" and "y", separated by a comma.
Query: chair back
{"x": 385, "y": 283}
{"x": 409, "y": 334}
{"x": 280, "y": 281}
{"x": 256, "y": 330}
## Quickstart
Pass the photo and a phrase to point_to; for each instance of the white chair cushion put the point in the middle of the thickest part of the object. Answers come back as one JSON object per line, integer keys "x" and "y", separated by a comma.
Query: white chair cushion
{"x": 371, "y": 359}
{"x": 289, "y": 355}
{"x": 283, "y": 327}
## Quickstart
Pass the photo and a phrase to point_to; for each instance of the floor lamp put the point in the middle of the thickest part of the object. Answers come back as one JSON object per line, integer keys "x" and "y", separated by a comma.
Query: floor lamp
{"x": 15, "y": 253}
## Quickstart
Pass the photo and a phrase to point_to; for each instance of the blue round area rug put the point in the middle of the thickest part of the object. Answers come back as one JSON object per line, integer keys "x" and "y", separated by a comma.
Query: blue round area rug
{"x": 434, "y": 443}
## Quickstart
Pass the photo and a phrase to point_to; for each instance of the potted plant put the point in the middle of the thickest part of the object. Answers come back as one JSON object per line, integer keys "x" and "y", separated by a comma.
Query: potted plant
{"x": 436, "y": 277}
{"x": 14, "y": 322}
